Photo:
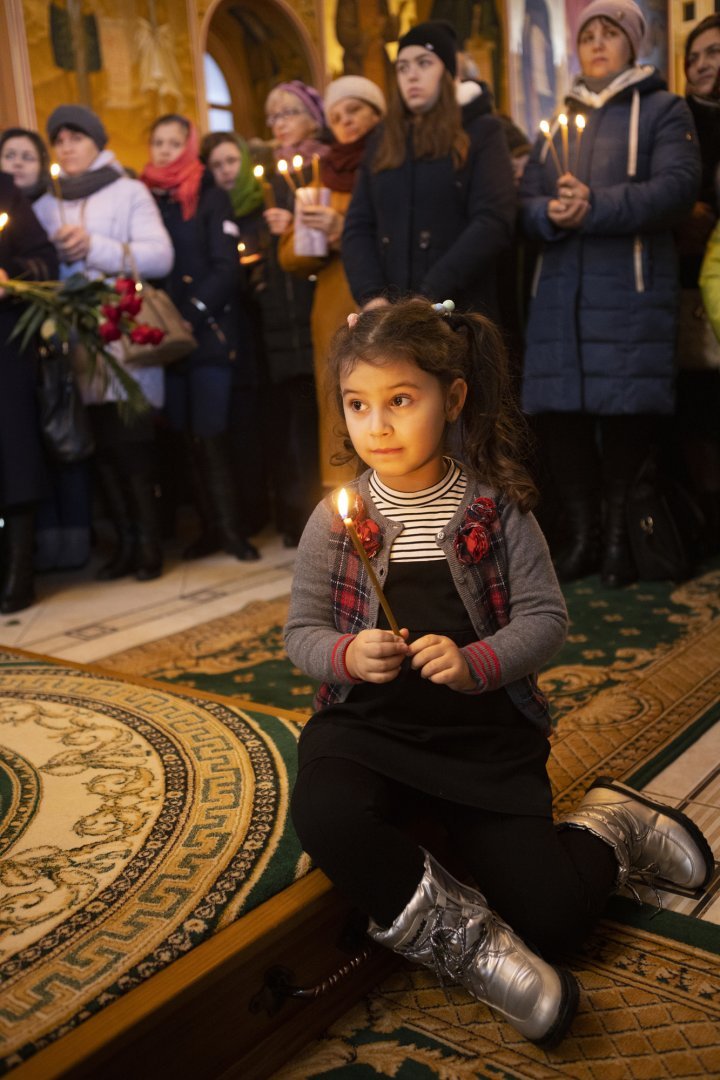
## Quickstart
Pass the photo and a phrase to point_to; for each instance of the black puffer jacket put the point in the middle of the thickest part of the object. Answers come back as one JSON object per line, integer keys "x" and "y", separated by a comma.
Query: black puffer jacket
{"x": 206, "y": 276}
{"x": 428, "y": 228}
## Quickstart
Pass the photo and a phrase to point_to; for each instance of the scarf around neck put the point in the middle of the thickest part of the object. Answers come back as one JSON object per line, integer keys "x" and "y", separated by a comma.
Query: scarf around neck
{"x": 104, "y": 170}
{"x": 306, "y": 149}
{"x": 596, "y": 98}
{"x": 181, "y": 178}
{"x": 340, "y": 164}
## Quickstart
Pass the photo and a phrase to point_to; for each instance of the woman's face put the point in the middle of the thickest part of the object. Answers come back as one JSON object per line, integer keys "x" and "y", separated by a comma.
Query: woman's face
{"x": 603, "y": 49}
{"x": 224, "y": 163}
{"x": 419, "y": 74}
{"x": 19, "y": 158}
{"x": 350, "y": 119}
{"x": 167, "y": 143}
{"x": 703, "y": 63}
{"x": 75, "y": 151}
{"x": 289, "y": 122}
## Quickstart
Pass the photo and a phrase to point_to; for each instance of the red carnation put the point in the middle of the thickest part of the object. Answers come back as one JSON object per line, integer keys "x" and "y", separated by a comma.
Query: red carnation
{"x": 109, "y": 331}
{"x": 370, "y": 536}
{"x": 130, "y": 303}
{"x": 155, "y": 335}
{"x": 139, "y": 334}
{"x": 111, "y": 312}
{"x": 124, "y": 285}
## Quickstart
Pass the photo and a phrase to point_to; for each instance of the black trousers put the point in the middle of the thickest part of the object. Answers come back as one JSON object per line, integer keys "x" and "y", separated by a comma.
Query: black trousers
{"x": 550, "y": 885}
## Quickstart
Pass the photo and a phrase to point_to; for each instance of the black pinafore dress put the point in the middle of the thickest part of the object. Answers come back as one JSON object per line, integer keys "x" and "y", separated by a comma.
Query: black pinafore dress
{"x": 471, "y": 749}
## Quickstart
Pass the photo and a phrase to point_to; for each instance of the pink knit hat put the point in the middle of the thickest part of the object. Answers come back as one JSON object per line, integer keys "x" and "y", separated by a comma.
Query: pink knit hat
{"x": 625, "y": 13}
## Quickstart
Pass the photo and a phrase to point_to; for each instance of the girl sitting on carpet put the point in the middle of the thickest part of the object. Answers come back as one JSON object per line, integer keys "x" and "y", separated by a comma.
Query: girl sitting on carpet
{"x": 445, "y": 721}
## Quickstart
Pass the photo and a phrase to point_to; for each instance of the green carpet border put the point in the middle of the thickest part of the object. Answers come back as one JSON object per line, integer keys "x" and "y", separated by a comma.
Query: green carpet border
{"x": 652, "y": 768}
{"x": 684, "y": 929}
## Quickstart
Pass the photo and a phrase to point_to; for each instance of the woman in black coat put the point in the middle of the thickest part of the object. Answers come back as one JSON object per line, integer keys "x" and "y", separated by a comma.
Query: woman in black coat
{"x": 204, "y": 283}
{"x": 25, "y": 251}
{"x": 434, "y": 203}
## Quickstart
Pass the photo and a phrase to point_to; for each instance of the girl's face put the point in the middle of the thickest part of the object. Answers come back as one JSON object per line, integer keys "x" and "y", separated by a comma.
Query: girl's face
{"x": 75, "y": 151}
{"x": 419, "y": 74}
{"x": 224, "y": 163}
{"x": 167, "y": 143}
{"x": 19, "y": 158}
{"x": 396, "y": 415}
{"x": 350, "y": 119}
{"x": 703, "y": 63}
{"x": 603, "y": 49}
{"x": 289, "y": 122}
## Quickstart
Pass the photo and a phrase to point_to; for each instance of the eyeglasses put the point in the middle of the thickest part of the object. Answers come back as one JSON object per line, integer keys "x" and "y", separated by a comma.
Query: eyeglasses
{"x": 284, "y": 114}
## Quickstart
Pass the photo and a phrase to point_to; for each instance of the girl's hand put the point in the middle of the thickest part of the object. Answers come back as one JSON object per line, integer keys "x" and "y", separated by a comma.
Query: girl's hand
{"x": 72, "y": 243}
{"x": 376, "y": 655}
{"x": 323, "y": 218}
{"x": 278, "y": 220}
{"x": 439, "y": 659}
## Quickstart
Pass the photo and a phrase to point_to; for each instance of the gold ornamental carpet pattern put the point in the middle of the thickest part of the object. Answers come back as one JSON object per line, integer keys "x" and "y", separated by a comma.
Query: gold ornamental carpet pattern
{"x": 134, "y": 822}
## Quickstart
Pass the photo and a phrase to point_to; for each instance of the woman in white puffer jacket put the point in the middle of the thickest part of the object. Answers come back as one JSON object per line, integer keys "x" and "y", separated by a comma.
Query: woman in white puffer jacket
{"x": 105, "y": 224}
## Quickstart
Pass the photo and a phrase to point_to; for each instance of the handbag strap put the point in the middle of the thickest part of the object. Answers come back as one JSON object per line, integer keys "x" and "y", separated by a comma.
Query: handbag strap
{"x": 129, "y": 261}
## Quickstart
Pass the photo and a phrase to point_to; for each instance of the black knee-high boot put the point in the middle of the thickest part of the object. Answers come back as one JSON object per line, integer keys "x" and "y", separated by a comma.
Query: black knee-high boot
{"x": 17, "y": 580}
{"x": 216, "y": 501}
{"x": 580, "y": 553}
{"x": 618, "y": 566}
{"x": 114, "y": 496}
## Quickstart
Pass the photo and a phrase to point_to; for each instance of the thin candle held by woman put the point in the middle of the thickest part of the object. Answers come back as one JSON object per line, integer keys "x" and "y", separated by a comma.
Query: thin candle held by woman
{"x": 545, "y": 128}
{"x": 579, "y": 128}
{"x": 563, "y": 124}
{"x": 54, "y": 176}
{"x": 282, "y": 168}
{"x": 268, "y": 193}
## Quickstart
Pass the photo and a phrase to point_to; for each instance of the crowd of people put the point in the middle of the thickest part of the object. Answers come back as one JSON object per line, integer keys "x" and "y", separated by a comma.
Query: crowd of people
{"x": 571, "y": 247}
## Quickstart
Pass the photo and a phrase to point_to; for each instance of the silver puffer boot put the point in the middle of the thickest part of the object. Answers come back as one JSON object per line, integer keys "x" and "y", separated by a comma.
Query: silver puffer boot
{"x": 652, "y": 842}
{"x": 448, "y": 926}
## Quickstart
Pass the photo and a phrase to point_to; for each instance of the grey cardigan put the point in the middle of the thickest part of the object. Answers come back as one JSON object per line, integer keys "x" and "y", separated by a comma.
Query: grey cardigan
{"x": 537, "y": 622}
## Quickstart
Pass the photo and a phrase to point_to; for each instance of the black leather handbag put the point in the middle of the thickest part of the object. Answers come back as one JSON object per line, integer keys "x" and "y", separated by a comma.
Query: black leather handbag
{"x": 665, "y": 526}
{"x": 63, "y": 418}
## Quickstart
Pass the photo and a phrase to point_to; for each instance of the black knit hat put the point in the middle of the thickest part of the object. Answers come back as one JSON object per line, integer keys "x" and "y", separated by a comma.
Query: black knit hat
{"x": 77, "y": 118}
{"x": 436, "y": 36}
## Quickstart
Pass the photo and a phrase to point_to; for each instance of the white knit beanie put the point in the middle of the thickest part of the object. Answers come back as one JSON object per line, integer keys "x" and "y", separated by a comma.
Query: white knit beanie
{"x": 355, "y": 86}
{"x": 625, "y": 13}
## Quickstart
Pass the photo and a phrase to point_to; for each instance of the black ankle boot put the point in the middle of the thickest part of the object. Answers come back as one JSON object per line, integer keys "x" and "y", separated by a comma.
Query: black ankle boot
{"x": 115, "y": 498}
{"x": 17, "y": 583}
{"x": 217, "y": 504}
{"x": 618, "y": 566}
{"x": 147, "y": 556}
{"x": 580, "y": 555}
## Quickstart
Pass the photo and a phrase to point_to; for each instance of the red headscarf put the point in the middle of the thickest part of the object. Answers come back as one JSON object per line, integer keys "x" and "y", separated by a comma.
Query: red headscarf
{"x": 181, "y": 177}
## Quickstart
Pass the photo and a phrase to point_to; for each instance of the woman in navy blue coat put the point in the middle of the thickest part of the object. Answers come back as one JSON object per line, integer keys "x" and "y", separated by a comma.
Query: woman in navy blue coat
{"x": 434, "y": 202}
{"x": 598, "y": 366}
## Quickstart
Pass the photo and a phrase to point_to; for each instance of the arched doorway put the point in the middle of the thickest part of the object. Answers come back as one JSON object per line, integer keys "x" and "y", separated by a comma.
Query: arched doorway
{"x": 257, "y": 44}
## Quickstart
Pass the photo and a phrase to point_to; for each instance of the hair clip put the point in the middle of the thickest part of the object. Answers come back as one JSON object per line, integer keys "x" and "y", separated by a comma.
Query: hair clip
{"x": 446, "y": 308}
{"x": 352, "y": 320}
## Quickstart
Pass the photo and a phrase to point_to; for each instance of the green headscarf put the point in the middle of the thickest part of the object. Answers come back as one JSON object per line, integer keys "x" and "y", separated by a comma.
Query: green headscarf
{"x": 246, "y": 194}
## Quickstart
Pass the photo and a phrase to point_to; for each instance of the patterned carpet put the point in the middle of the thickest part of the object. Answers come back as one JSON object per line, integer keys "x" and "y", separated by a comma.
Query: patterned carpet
{"x": 134, "y": 823}
{"x": 637, "y": 692}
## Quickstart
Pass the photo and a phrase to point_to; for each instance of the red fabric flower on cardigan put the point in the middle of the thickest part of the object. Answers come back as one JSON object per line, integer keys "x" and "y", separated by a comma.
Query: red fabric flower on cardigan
{"x": 472, "y": 540}
{"x": 367, "y": 529}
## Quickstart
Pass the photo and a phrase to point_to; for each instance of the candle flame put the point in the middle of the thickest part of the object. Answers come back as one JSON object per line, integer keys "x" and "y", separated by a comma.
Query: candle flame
{"x": 54, "y": 170}
{"x": 580, "y": 122}
{"x": 258, "y": 172}
{"x": 282, "y": 165}
{"x": 4, "y": 218}
{"x": 544, "y": 127}
{"x": 297, "y": 161}
{"x": 343, "y": 503}
{"x": 562, "y": 120}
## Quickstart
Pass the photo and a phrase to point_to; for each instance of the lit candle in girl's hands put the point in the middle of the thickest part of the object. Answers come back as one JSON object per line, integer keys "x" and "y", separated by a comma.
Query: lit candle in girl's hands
{"x": 579, "y": 128}
{"x": 4, "y": 218}
{"x": 268, "y": 193}
{"x": 545, "y": 128}
{"x": 343, "y": 506}
{"x": 54, "y": 176}
{"x": 563, "y": 122}
{"x": 282, "y": 168}
{"x": 297, "y": 164}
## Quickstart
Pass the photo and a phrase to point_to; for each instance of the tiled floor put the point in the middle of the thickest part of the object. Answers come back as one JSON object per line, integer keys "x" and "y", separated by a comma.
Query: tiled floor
{"x": 79, "y": 618}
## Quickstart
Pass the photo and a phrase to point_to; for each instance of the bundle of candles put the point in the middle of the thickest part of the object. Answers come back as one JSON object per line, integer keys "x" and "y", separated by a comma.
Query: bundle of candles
{"x": 564, "y": 165}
